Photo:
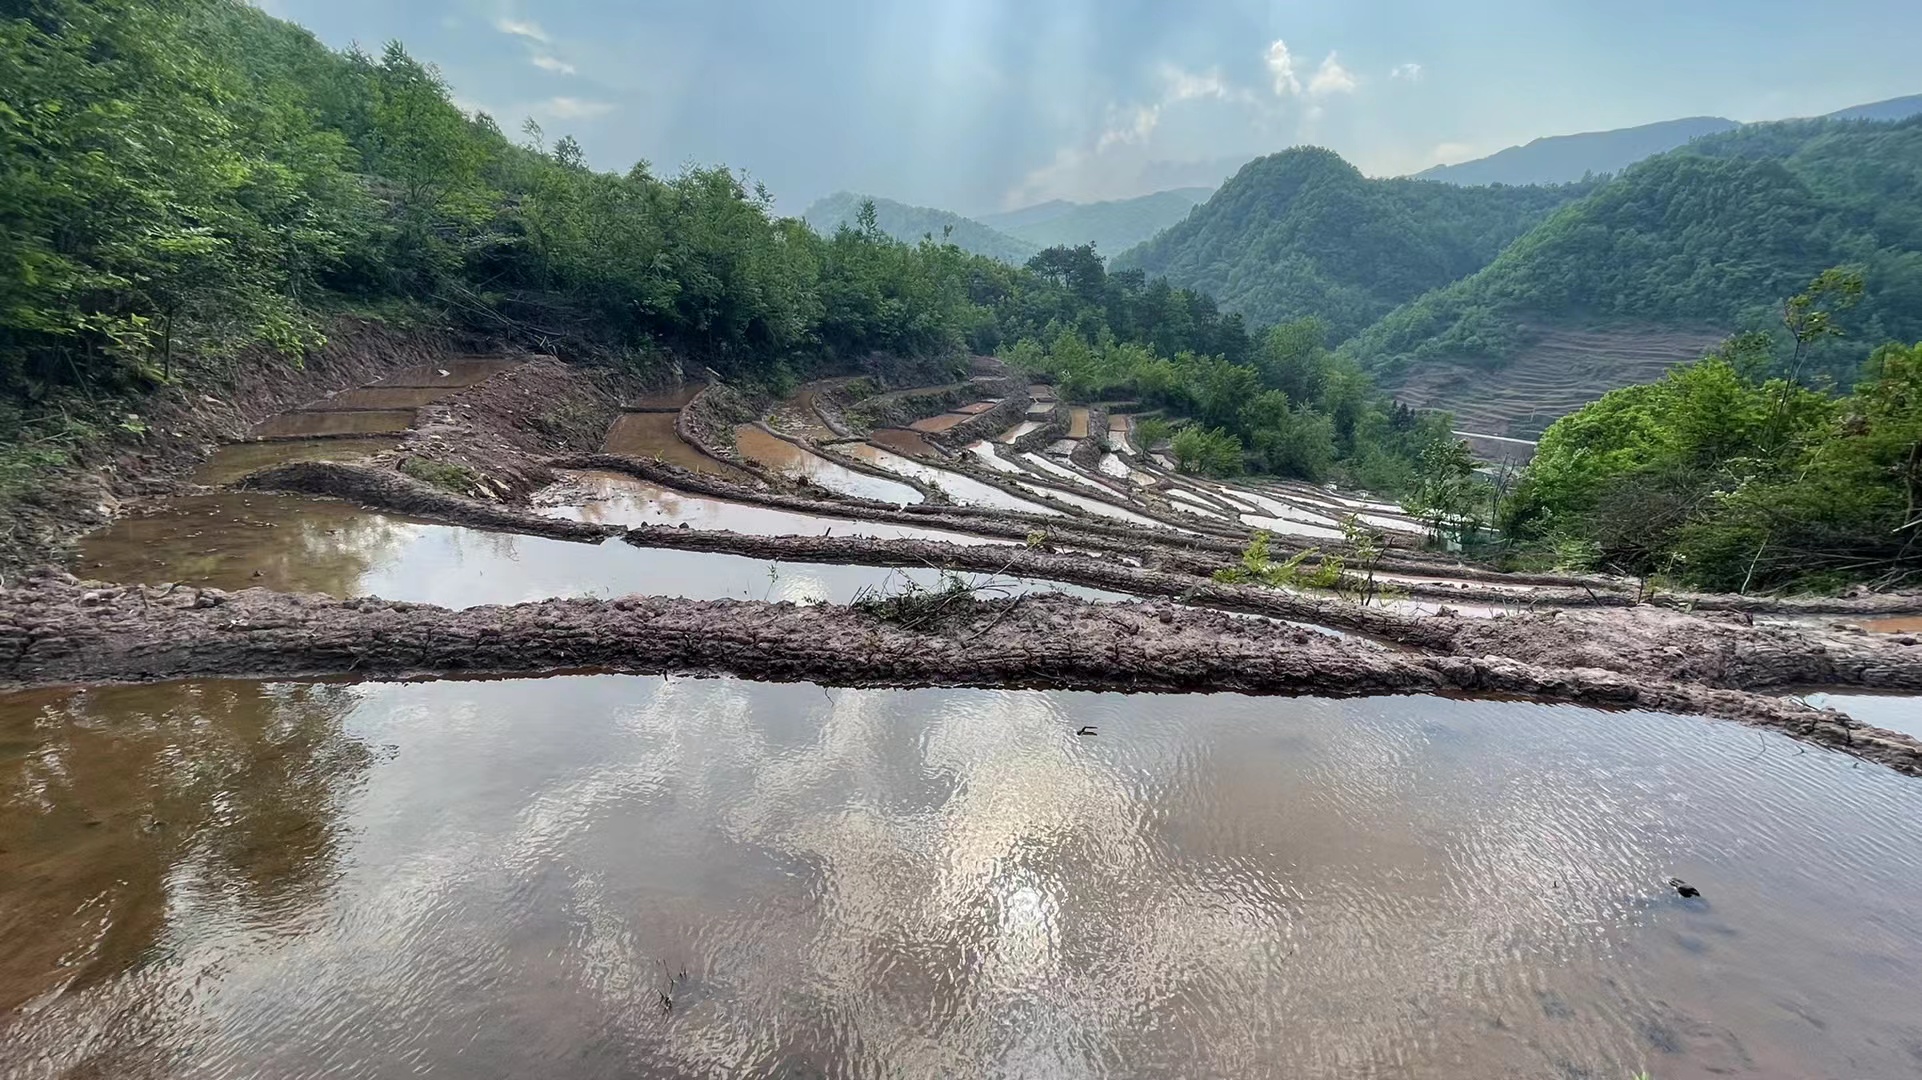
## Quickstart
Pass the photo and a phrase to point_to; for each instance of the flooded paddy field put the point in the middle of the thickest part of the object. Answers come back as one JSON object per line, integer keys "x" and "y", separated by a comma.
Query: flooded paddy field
{"x": 652, "y": 435}
{"x": 615, "y": 499}
{"x": 297, "y": 545}
{"x": 778, "y": 455}
{"x": 962, "y": 489}
{"x": 609, "y": 876}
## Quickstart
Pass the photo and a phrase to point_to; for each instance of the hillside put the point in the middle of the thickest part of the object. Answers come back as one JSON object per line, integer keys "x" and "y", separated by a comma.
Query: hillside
{"x": 1559, "y": 159}
{"x": 1709, "y": 238}
{"x": 1112, "y": 227}
{"x": 1302, "y": 232}
{"x": 910, "y": 223}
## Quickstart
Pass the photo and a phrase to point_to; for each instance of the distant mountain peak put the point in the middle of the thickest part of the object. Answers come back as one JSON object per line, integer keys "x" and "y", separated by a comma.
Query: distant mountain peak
{"x": 1561, "y": 159}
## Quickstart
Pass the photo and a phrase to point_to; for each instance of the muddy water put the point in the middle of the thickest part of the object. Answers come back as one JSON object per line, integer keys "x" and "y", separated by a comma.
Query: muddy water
{"x": 617, "y": 876}
{"x": 652, "y": 435}
{"x": 235, "y": 541}
{"x": 615, "y": 499}
{"x": 1097, "y": 507}
{"x": 961, "y": 489}
{"x": 235, "y": 460}
{"x": 781, "y": 456}
{"x": 1023, "y": 428}
{"x": 984, "y": 452}
{"x": 1906, "y": 624}
{"x": 942, "y": 422}
{"x": 903, "y": 441}
{"x": 1078, "y": 422}
{"x": 382, "y": 397}
{"x": 307, "y": 425}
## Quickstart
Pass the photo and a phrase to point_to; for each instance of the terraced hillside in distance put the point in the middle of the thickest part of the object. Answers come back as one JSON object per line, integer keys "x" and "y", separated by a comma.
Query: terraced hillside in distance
{"x": 1561, "y": 371}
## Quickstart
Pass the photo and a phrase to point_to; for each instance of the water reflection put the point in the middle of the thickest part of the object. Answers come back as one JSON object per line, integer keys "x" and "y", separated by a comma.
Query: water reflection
{"x": 653, "y": 435}
{"x": 235, "y": 460}
{"x": 945, "y": 882}
{"x": 617, "y": 499}
{"x": 235, "y": 541}
{"x": 962, "y": 489}
{"x": 784, "y": 457}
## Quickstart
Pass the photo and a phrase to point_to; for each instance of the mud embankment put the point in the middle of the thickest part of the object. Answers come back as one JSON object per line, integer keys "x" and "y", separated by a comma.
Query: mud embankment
{"x": 386, "y": 490}
{"x": 55, "y": 629}
{"x": 185, "y": 425}
{"x": 493, "y": 438}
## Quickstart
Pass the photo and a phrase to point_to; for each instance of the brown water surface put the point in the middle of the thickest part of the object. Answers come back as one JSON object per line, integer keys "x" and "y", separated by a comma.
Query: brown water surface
{"x": 308, "y": 425}
{"x": 235, "y": 460}
{"x": 778, "y": 455}
{"x": 1078, "y": 422}
{"x": 903, "y": 441}
{"x": 603, "y": 876}
{"x": 977, "y": 408}
{"x": 940, "y": 423}
{"x": 672, "y": 399}
{"x": 381, "y": 397}
{"x": 652, "y": 435}
{"x": 1904, "y": 624}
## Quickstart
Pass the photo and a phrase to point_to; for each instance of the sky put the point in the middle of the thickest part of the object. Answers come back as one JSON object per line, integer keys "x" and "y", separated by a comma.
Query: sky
{"x": 982, "y": 105}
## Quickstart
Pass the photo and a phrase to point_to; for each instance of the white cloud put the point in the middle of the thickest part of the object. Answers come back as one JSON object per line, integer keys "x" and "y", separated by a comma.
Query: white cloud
{"x": 1281, "y": 69}
{"x": 526, "y": 28}
{"x": 1135, "y": 127}
{"x": 552, "y": 63}
{"x": 1189, "y": 85}
{"x": 1406, "y": 72}
{"x": 568, "y": 108}
{"x": 1332, "y": 78}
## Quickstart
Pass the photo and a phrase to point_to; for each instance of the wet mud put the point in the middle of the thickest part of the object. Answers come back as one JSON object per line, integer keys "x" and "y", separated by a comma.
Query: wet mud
{"x": 383, "y": 489}
{"x": 55, "y": 629}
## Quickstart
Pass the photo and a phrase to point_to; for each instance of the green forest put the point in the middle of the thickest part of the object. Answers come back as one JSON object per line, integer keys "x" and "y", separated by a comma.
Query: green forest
{"x": 1722, "y": 477}
{"x": 909, "y": 224}
{"x": 184, "y": 182}
{"x": 1303, "y": 233}
{"x": 1713, "y": 234}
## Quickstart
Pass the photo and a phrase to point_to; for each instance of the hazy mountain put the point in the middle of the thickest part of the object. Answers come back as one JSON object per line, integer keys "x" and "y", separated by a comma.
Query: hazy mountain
{"x": 910, "y": 223}
{"x": 1893, "y": 109}
{"x": 1673, "y": 253}
{"x": 1559, "y": 159}
{"x": 1303, "y": 232}
{"x": 1010, "y": 220}
{"x": 1112, "y": 226}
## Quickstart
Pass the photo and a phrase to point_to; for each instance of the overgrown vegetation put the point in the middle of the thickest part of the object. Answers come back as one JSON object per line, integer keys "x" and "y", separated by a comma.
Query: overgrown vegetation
{"x": 188, "y": 185}
{"x": 1352, "y": 576}
{"x": 1724, "y": 477}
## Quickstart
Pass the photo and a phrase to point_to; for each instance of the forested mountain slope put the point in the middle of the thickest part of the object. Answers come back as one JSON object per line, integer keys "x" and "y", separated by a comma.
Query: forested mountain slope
{"x": 909, "y": 224}
{"x": 1697, "y": 242}
{"x": 1559, "y": 159}
{"x": 1303, "y": 233}
{"x": 1112, "y": 226}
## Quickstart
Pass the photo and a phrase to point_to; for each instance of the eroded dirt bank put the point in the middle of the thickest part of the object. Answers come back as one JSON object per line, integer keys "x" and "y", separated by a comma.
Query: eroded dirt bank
{"x": 56, "y": 629}
{"x": 182, "y": 427}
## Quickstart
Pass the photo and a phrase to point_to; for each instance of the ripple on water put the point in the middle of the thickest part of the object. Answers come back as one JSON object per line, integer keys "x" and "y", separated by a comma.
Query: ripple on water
{"x": 504, "y": 877}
